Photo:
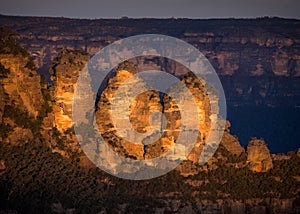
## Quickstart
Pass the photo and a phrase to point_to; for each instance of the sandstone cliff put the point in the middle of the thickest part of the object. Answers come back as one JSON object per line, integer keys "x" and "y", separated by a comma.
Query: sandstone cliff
{"x": 224, "y": 189}
{"x": 21, "y": 101}
{"x": 31, "y": 109}
{"x": 259, "y": 158}
{"x": 140, "y": 110}
{"x": 252, "y": 56}
{"x": 65, "y": 71}
{"x": 21, "y": 84}
{"x": 32, "y": 171}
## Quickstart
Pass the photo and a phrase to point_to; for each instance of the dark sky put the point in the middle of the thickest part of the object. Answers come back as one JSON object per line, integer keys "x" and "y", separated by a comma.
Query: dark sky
{"x": 153, "y": 8}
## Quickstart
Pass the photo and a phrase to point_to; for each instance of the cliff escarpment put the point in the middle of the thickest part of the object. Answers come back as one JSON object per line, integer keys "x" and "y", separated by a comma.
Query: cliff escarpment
{"x": 22, "y": 102}
{"x": 258, "y": 60}
{"x": 42, "y": 168}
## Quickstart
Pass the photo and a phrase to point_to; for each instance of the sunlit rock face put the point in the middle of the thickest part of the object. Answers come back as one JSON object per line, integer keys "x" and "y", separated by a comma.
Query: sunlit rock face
{"x": 21, "y": 99}
{"x": 205, "y": 114}
{"x": 65, "y": 72}
{"x": 140, "y": 112}
{"x": 259, "y": 157}
{"x": 21, "y": 84}
{"x": 104, "y": 119}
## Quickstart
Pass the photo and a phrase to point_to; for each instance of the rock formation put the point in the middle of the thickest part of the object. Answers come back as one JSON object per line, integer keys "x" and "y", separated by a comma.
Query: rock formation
{"x": 30, "y": 110}
{"x": 140, "y": 110}
{"x": 21, "y": 101}
{"x": 231, "y": 142}
{"x": 106, "y": 125}
{"x": 21, "y": 84}
{"x": 65, "y": 71}
{"x": 259, "y": 157}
